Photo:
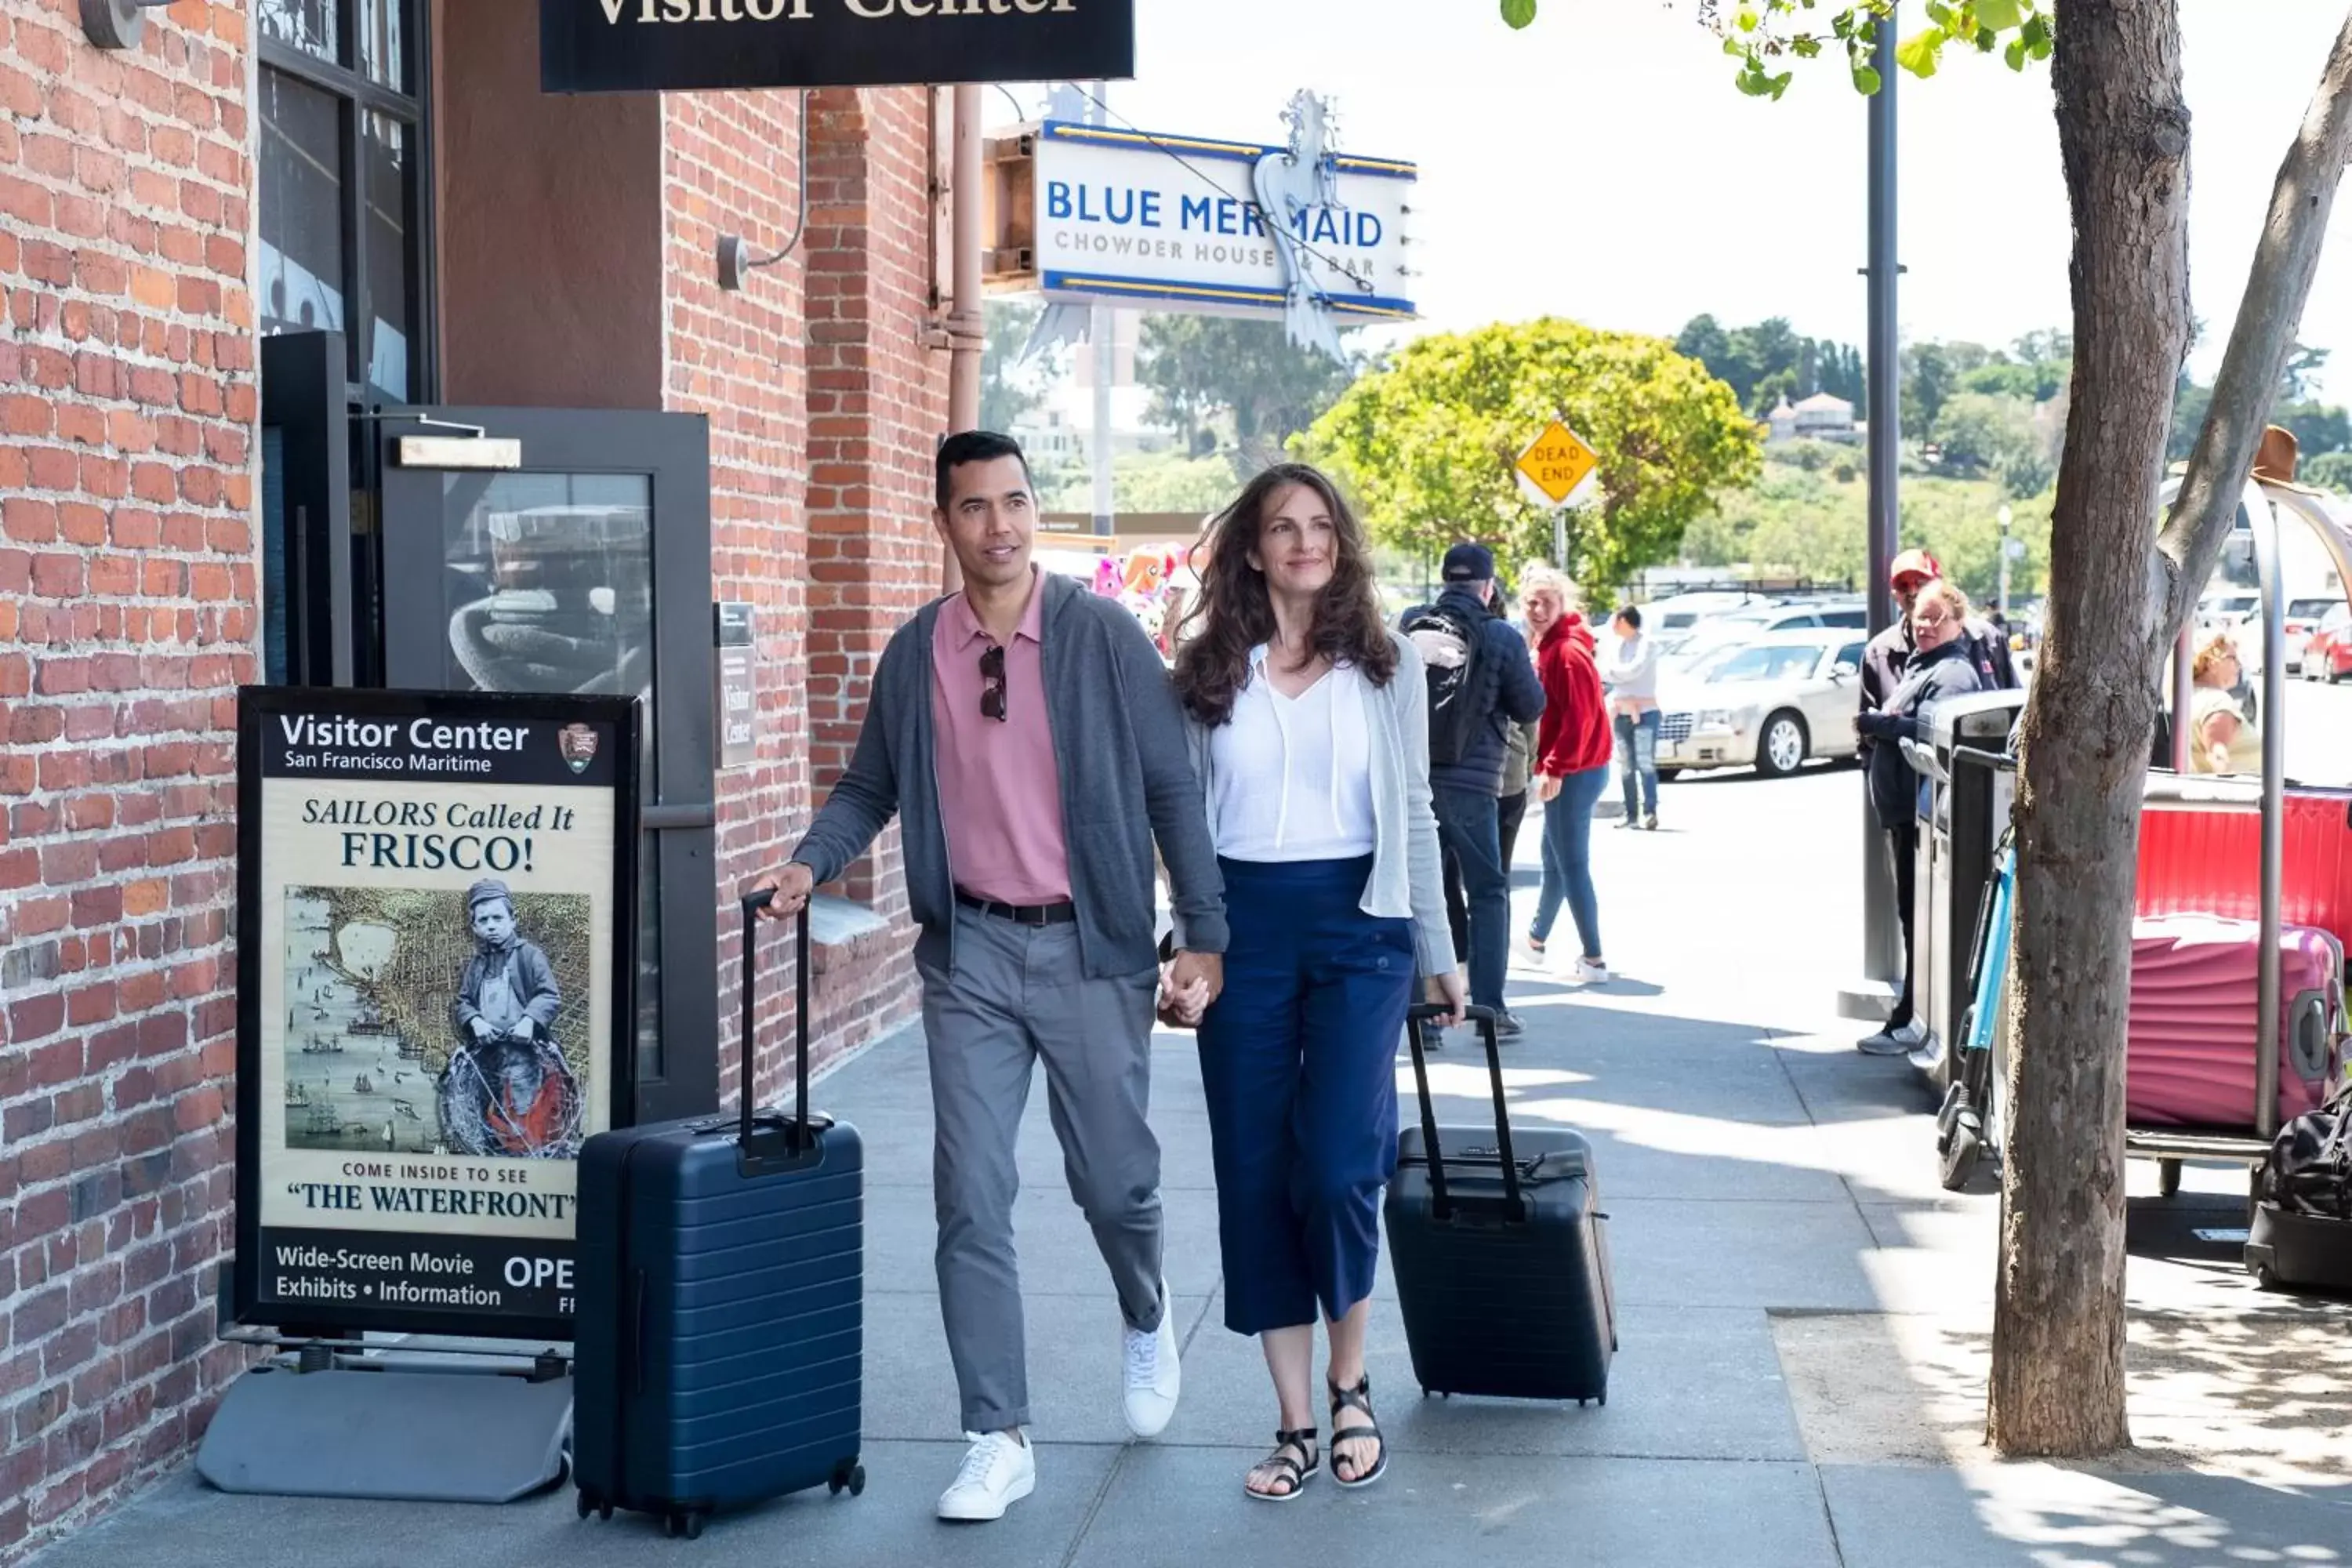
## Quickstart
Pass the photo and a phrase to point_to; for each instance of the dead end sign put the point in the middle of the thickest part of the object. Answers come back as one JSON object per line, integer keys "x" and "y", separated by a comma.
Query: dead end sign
{"x": 673, "y": 46}
{"x": 1557, "y": 463}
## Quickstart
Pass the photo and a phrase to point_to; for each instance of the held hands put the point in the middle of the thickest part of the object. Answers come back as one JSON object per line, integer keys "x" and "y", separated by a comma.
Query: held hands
{"x": 1546, "y": 785}
{"x": 1188, "y": 985}
{"x": 793, "y": 883}
{"x": 1448, "y": 990}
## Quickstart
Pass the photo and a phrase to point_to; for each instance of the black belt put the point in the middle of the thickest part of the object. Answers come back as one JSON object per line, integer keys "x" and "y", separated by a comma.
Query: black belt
{"x": 1021, "y": 914}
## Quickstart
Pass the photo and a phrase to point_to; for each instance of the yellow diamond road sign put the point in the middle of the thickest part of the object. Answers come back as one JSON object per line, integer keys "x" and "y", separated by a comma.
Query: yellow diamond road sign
{"x": 1557, "y": 463}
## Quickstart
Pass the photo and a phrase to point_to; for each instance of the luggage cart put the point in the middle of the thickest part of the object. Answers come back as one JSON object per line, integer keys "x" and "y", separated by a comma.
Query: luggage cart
{"x": 2258, "y": 516}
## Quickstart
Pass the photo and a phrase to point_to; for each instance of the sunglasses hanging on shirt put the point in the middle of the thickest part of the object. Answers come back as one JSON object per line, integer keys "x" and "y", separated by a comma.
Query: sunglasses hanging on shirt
{"x": 992, "y": 690}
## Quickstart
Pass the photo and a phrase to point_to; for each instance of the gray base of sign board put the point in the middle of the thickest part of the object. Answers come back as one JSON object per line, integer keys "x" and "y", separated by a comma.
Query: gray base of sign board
{"x": 428, "y": 1432}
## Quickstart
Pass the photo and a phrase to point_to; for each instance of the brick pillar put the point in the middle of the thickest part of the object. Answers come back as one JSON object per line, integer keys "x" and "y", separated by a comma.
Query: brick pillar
{"x": 876, "y": 402}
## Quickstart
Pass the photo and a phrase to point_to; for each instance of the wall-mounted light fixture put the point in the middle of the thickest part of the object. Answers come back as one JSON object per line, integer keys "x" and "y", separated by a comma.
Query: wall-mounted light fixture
{"x": 735, "y": 258}
{"x": 116, "y": 24}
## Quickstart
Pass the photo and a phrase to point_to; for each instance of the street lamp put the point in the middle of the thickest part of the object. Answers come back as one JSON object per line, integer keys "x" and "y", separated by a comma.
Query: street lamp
{"x": 2001, "y": 598}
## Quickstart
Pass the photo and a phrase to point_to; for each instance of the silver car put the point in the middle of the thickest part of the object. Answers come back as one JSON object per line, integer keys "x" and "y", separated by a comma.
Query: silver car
{"x": 1770, "y": 704}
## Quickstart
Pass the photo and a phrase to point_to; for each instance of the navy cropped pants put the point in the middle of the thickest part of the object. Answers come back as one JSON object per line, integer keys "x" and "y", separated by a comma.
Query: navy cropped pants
{"x": 1299, "y": 1062}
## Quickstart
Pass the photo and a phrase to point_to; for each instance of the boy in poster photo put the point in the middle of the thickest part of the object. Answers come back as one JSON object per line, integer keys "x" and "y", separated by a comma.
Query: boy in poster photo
{"x": 507, "y": 1089}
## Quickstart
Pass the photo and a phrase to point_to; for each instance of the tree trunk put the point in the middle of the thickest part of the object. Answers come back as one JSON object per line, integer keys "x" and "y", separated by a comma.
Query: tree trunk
{"x": 2058, "y": 1347}
{"x": 2058, "y": 1328}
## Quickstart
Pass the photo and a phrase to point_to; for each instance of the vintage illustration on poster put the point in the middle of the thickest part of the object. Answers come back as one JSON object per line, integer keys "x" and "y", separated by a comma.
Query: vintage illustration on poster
{"x": 436, "y": 909}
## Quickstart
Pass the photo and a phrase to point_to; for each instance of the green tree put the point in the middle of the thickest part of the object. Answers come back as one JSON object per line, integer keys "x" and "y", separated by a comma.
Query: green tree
{"x": 2304, "y": 366}
{"x": 2318, "y": 427}
{"x": 2119, "y": 593}
{"x": 1426, "y": 445}
{"x": 1928, "y": 378}
{"x": 1203, "y": 368}
{"x": 1170, "y": 481}
{"x": 1009, "y": 393}
{"x": 2328, "y": 471}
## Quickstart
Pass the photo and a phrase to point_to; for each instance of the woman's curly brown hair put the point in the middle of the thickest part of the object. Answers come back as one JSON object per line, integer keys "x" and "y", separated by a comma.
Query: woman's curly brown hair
{"x": 1233, "y": 613}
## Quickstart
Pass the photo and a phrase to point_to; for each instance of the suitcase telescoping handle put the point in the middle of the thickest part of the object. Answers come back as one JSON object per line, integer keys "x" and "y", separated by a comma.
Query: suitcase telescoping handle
{"x": 799, "y": 1130}
{"x": 1440, "y": 1204}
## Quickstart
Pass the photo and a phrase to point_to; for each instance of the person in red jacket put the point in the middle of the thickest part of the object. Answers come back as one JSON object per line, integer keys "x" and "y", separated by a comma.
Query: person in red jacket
{"x": 1570, "y": 766}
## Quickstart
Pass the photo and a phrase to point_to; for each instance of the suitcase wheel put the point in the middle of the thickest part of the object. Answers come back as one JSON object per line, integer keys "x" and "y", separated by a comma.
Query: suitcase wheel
{"x": 688, "y": 1523}
{"x": 850, "y": 1479}
{"x": 584, "y": 1502}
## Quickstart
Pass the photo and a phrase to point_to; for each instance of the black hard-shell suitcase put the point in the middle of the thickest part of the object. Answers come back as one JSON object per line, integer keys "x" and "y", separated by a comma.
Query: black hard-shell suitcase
{"x": 1501, "y": 1267}
{"x": 720, "y": 1335}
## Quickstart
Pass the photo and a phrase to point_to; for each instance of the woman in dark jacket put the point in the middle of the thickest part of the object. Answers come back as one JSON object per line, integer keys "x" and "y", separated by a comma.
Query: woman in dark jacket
{"x": 1940, "y": 667}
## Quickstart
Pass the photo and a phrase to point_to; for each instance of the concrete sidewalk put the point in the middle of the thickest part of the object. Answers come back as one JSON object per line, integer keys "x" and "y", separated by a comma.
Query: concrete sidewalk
{"x": 1802, "y": 1314}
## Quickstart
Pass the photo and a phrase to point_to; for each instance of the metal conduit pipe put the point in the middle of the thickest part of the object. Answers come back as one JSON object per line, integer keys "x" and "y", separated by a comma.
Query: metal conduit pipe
{"x": 966, "y": 326}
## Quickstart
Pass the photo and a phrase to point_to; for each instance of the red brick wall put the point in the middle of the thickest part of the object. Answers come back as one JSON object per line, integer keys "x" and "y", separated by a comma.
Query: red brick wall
{"x": 127, "y": 619}
{"x": 823, "y": 403}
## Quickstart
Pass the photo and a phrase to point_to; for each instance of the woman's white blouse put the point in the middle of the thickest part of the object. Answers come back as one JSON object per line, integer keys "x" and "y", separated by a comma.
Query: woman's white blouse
{"x": 1292, "y": 777}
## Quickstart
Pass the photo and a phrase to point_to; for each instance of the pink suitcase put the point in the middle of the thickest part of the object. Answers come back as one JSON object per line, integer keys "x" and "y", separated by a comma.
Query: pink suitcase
{"x": 2191, "y": 1031}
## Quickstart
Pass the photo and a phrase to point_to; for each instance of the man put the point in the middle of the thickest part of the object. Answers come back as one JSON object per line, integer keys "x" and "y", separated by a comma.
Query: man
{"x": 1883, "y": 664}
{"x": 1481, "y": 683}
{"x": 1024, "y": 733}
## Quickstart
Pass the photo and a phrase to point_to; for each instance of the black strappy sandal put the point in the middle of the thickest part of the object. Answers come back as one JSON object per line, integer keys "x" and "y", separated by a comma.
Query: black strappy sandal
{"x": 1357, "y": 1398}
{"x": 1289, "y": 1469}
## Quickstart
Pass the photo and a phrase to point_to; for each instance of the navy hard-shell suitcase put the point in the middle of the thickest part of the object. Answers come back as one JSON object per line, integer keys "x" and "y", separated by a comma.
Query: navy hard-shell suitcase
{"x": 1501, "y": 1267}
{"x": 720, "y": 1336}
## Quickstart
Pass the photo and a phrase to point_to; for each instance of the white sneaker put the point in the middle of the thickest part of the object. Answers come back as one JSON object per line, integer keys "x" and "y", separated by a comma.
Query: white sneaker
{"x": 1153, "y": 1377}
{"x": 1588, "y": 973}
{"x": 1900, "y": 1042}
{"x": 999, "y": 1470}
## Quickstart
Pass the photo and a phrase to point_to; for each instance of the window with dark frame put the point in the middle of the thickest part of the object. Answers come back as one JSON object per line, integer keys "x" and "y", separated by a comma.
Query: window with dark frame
{"x": 345, "y": 204}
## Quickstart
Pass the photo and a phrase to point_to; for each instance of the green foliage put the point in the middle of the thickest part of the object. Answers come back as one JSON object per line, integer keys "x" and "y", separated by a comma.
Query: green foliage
{"x": 1981, "y": 435}
{"x": 1144, "y": 482}
{"x": 1426, "y": 446}
{"x": 1205, "y": 368}
{"x": 2318, "y": 427}
{"x": 1812, "y": 523}
{"x": 1764, "y": 36}
{"x": 2328, "y": 471}
{"x": 1761, "y": 363}
{"x": 1009, "y": 393}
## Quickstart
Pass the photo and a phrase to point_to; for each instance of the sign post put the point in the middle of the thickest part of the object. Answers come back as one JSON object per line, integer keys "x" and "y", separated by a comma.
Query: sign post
{"x": 1558, "y": 470}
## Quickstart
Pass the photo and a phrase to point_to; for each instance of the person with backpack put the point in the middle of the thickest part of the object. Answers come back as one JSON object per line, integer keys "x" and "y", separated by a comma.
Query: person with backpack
{"x": 1481, "y": 683}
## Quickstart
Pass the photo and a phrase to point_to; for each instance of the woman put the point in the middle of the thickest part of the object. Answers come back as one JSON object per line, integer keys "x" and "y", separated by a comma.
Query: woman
{"x": 2221, "y": 741}
{"x": 1940, "y": 667}
{"x": 1570, "y": 764}
{"x": 1633, "y": 681}
{"x": 1309, "y": 731}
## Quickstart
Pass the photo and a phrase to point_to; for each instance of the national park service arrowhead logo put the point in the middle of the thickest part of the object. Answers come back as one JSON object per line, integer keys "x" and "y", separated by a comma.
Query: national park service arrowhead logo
{"x": 577, "y": 744}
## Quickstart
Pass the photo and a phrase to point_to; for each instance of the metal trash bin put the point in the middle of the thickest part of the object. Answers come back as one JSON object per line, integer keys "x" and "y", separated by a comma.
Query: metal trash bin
{"x": 1964, "y": 808}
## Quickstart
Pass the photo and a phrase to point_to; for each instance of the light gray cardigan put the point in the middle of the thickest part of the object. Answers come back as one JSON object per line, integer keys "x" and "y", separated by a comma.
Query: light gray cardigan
{"x": 1406, "y": 882}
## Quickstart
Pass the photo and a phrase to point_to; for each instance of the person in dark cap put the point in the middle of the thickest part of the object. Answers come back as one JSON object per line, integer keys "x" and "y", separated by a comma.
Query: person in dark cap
{"x": 1481, "y": 683}
{"x": 507, "y": 1089}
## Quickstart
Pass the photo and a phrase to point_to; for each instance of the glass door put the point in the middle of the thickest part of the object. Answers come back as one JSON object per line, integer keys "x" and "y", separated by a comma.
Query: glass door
{"x": 587, "y": 569}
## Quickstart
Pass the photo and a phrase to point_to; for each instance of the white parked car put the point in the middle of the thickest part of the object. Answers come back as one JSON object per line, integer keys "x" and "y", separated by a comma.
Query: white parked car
{"x": 1745, "y": 625}
{"x": 1770, "y": 704}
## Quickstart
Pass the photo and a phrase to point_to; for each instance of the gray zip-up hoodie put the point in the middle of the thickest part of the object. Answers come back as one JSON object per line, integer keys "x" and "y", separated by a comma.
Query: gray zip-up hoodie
{"x": 1118, "y": 743}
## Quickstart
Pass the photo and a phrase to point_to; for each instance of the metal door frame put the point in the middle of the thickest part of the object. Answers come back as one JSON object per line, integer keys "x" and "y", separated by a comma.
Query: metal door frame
{"x": 680, "y": 812}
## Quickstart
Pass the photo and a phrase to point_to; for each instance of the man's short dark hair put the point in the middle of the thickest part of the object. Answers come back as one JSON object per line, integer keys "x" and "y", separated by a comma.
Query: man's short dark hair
{"x": 1631, "y": 616}
{"x": 974, "y": 446}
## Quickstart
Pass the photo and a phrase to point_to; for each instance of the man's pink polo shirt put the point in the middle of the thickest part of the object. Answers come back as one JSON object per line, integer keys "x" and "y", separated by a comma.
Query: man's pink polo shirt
{"x": 1000, "y": 787}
